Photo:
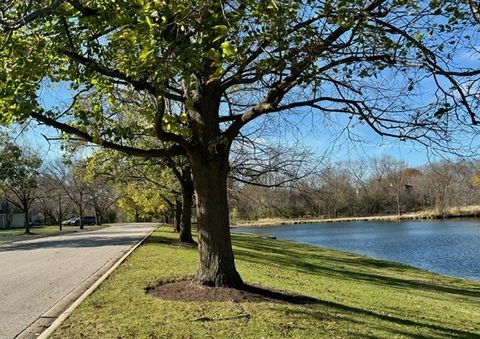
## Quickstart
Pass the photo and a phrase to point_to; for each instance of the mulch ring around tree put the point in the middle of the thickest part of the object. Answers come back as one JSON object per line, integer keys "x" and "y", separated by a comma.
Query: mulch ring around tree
{"x": 187, "y": 290}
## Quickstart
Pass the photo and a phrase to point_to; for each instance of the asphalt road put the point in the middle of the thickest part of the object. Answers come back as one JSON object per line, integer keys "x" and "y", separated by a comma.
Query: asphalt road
{"x": 36, "y": 274}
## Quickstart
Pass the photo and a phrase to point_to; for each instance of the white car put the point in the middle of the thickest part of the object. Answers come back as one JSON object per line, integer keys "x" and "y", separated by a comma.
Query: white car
{"x": 69, "y": 222}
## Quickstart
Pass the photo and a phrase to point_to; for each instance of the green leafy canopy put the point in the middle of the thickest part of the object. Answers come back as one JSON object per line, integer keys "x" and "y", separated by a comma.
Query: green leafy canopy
{"x": 141, "y": 70}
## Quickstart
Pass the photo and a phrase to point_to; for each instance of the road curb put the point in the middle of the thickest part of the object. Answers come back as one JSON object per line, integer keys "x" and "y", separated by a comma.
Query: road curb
{"x": 65, "y": 314}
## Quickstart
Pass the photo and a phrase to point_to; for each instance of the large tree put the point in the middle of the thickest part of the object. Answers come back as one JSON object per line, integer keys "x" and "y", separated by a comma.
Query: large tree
{"x": 200, "y": 71}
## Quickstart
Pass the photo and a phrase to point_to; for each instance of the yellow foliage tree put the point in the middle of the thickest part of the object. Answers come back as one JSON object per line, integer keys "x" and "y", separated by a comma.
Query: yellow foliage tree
{"x": 141, "y": 201}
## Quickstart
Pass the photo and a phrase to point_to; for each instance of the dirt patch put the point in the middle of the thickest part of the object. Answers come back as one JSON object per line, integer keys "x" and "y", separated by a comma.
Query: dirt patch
{"x": 187, "y": 290}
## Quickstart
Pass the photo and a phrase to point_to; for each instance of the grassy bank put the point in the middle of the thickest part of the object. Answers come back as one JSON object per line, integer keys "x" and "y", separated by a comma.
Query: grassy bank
{"x": 17, "y": 234}
{"x": 454, "y": 212}
{"x": 356, "y": 297}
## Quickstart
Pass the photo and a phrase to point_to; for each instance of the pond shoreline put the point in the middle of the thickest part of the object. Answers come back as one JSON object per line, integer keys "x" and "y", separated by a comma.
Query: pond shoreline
{"x": 435, "y": 245}
{"x": 467, "y": 212}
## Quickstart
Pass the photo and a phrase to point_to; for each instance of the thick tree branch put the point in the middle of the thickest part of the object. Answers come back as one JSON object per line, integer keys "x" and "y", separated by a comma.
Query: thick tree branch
{"x": 28, "y": 18}
{"x": 138, "y": 84}
{"x": 86, "y": 11}
{"x": 44, "y": 12}
{"x": 237, "y": 78}
{"x": 161, "y": 133}
{"x": 146, "y": 153}
{"x": 315, "y": 49}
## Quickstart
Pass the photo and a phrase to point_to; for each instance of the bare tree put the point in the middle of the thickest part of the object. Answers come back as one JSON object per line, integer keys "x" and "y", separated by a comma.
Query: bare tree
{"x": 19, "y": 172}
{"x": 74, "y": 187}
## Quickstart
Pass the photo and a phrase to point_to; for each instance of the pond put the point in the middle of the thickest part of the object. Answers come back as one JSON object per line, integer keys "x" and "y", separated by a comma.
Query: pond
{"x": 450, "y": 247}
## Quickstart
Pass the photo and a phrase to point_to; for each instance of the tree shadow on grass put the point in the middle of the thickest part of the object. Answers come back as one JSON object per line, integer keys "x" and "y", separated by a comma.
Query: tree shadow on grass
{"x": 382, "y": 321}
{"x": 349, "y": 266}
{"x": 157, "y": 239}
{"x": 345, "y": 266}
{"x": 280, "y": 296}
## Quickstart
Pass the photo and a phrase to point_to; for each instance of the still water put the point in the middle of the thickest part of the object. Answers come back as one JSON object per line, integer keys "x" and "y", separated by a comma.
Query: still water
{"x": 446, "y": 247}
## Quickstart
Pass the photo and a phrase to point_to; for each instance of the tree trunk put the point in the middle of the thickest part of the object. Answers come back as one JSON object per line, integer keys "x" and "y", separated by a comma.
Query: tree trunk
{"x": 97, "y": 211}
{"x": 186, "y": 218}
{"x": 9, "y": 215}
{"x": 178, "y": 215}
{"x": 165, "y": 215}
{"x": 60, "y": 212}
{"x": 81, "y": 217}
{"x": 399, "y": 211}
{"x": 217, "y": 266}
{"x": 26, "y": 223}
{"x": 98, "y": 218}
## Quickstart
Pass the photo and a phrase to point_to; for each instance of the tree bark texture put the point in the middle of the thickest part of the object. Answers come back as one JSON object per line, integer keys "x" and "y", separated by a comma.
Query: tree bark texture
{"x": 81, "y": 216}
{"x": 178, "y": 216}
{"x": 9, "y": 215}
{"x": 186, "y": 218}
{"x": 217, "y": 266}
{"x": 60, "y": 212}
{"x": 26, "y": 223}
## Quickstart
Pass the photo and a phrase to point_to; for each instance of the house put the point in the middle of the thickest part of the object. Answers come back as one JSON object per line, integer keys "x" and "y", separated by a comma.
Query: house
{"x": 10, "y": 216}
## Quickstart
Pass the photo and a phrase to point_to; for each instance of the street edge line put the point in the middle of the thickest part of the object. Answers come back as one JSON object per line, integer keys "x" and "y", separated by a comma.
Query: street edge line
{"x": 62, "y": 317}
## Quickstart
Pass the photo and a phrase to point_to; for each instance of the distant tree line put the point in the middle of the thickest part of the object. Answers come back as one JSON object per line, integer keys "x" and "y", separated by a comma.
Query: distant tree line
{"x": 105, "y": 185}
{"x": 267, "y": 182}
{"x": 49, "y": 192}
{"x": 361, "y": 188}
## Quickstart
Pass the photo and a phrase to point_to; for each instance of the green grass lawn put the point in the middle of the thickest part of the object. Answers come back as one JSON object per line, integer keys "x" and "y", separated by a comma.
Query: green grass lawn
{"x": 11, "y": 232}
{"x": 39, "y": 231}
{"x": 357, "y": 297}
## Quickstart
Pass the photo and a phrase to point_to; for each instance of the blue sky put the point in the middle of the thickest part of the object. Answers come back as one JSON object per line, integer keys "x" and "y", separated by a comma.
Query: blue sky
{"x": 360, "y": 143}
{"x": 330, "y": 140}
{"x": 336, "y": 148}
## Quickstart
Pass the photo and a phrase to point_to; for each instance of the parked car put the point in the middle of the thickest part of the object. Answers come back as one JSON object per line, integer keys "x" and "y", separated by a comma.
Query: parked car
{"x": 86, "y": 221}
{"x": 69, "y": 222}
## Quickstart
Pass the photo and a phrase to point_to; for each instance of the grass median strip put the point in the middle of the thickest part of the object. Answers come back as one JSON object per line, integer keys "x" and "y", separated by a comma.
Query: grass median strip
{"x": 353, "y": 296}
{"x": 14, "y": 232}
{"x": 17, "y": 234}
